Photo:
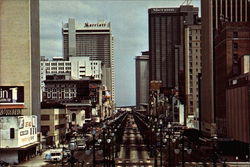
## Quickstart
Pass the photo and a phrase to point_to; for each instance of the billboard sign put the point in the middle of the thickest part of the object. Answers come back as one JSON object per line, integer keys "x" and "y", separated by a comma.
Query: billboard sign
{"x": 11, "y": 94}
{"x": 27, "y": 126}
{"x": 25, "y": 130}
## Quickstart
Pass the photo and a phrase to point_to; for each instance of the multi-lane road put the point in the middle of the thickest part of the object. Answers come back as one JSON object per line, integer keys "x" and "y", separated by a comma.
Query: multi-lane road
{"x": 133, "y": 151}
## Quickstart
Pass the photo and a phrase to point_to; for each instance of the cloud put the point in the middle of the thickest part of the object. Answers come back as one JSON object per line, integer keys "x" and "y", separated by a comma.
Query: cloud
{"x": 129, "y": 20}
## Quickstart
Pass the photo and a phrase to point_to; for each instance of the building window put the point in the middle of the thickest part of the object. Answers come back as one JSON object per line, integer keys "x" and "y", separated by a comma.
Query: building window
{"x": 66, "y": 95}
{"x": 73, "y": 116}
{"x": 68, "y": 64}
{"x": 54, "y": 95}
{"x": 235, "y": 45}
{"x": 235, "y": 56}
{"x": 53, "y": 64}
{"x": 45, "y": 117}
{"x": 45, "y": 130}
{"x": 235, "y": 34}
{"x": 12, "y": 133}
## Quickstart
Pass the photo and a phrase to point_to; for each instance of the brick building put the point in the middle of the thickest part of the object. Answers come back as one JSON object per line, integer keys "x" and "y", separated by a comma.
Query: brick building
{"x": 231, "y": 84}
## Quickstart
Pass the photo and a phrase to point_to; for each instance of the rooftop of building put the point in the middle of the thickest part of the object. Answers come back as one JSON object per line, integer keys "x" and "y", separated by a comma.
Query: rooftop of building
{"x": 88, "y": 26}
{"x": 181, "y": 9}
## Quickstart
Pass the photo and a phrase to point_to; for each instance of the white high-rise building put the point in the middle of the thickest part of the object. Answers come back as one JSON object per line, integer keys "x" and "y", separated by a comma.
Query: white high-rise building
{"x": 75, "y": 67}
{"x": 93, "y": 40}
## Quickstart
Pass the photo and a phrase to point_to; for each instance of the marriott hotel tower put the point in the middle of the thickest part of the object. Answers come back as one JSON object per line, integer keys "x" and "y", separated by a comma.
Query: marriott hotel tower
{"x": 93, "y": 40}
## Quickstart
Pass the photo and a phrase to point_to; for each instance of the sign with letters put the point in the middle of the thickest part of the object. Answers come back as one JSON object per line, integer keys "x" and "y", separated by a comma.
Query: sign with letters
{"x": 163, "y": 10}
{"x": 10, "y": 111}
{"x": 11, "y": 94}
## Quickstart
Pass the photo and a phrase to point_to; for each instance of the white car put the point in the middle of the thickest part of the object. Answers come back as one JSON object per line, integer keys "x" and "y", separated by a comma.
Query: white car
{"x": 54, "y": 155}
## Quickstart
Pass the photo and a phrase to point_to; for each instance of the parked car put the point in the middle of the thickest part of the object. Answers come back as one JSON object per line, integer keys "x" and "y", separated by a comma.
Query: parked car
{"x": 3, "y": 163}
{"x": 54, "y": 155}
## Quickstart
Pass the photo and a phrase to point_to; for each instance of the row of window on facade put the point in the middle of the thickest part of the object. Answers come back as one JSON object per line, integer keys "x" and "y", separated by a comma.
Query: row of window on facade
{"x": 32, "y": 131}
{"x": 57, "y": 68}
{"x": 56, "y": 64}
{"x": 46, "y": 117}
{"x": 46, "y": 129}
{"x": 196, "y": 50}
{"x": 192, "y": 31}
{"x": 61, "y": 95}
{"x": 60, "y": 89}
{"x": 194, "y": 38}
{"x": 193, "y": 44}
{"x": 191, "y": 70}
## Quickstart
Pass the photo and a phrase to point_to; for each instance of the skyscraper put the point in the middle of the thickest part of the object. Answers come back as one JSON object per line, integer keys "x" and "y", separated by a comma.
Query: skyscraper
{"x": 93, "y": 40}
{"x": 19, "y": 79}
{"x": 142, "y": 80}
{"x": 192, "y": 70}
{"x": 214, "y": 12}
{"x": 166, "y": 45}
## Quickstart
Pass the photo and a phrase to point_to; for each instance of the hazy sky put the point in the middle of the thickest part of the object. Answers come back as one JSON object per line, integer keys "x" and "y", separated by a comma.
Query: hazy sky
{"x": 129, "y": 22}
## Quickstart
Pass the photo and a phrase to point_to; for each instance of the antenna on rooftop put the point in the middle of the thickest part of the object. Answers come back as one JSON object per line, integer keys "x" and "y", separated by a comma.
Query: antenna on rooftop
{"x": 188, "y": 2}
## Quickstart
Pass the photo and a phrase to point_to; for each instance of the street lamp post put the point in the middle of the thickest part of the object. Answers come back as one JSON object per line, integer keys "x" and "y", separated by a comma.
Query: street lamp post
{"x": 108, "y": 141}
{"x": 161, "y": 124}
{"x": 183, "y": 149}
{"x": 155, "y": 145}
{"x": 72, "y": 147}
{"x": 116, "y": 143}
{"x": 112, "y": 148}
{"x": 93, "y": 142}
{"x": 104, "y": 143}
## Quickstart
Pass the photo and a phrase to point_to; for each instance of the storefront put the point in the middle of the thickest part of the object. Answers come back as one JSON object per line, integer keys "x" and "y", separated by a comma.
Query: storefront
{"x": 17, "y": 155}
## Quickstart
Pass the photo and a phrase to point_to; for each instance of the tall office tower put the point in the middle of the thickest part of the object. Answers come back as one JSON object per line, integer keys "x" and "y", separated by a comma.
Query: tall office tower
{"x": 19, "y": 79}
{"x": 142, "y": 81}
{"x": 192, "y": 70}
{"x": 214, "y": 11}
{"x": 166, "y": 44}
{"x": 94, "y": 41}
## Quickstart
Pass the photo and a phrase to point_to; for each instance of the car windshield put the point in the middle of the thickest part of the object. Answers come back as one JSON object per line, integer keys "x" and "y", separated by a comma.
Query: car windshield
{"x": 55, "y": 154}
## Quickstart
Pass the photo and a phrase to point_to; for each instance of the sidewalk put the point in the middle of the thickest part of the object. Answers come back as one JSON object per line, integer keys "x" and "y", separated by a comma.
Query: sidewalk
{"x": 37, "y": 161}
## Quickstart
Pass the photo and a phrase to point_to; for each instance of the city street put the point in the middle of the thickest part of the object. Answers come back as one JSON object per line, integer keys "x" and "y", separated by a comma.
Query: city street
{"x": 133, "y": 151}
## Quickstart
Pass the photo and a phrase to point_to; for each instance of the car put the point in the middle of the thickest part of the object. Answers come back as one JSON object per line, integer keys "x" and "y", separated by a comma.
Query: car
{"x": 54, "y": 155}
{"x": 66, "y": 153}
{"x": 3, "y": 163}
